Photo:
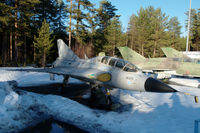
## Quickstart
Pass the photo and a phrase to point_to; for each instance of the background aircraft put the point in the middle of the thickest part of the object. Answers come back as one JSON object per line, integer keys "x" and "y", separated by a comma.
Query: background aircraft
{"x": 161, "y": 64}
{"x": 190, "y": 56}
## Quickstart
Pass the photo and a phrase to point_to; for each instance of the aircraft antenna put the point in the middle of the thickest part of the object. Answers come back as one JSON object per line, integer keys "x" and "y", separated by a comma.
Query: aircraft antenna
{"x": 188, "y": 32}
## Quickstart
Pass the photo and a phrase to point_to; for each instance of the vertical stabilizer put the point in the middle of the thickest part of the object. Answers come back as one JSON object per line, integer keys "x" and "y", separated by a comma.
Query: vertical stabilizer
{"x": 172, "y": 53}
{"x": 65, "y": 52}
{"x": 131, "y": 55}
{"x": 102, "y": 54}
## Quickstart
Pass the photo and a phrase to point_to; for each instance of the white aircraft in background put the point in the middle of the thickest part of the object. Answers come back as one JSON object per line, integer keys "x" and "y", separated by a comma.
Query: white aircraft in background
{"x": 108, "y": 72}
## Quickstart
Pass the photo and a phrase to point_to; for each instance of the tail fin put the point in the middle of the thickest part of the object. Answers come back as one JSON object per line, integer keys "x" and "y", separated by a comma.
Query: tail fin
{"x": 172, "y": 53}
{"x": 86, "y": 57}
{"x": 131, "y": 55}
{"x": 65, "y": 52}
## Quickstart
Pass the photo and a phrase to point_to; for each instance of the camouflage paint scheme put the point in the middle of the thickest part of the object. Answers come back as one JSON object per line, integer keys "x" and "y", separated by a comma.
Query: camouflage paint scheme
{"x": 190, "y": 56}
{"x": 180, "y": 65}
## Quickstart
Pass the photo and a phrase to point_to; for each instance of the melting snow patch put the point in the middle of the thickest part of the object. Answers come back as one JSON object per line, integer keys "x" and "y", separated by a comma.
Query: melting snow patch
{"x": 12, "y": 100}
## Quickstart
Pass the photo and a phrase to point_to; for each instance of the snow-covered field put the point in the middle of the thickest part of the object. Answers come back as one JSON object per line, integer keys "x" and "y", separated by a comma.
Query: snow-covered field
{"x": 141, "y": 112}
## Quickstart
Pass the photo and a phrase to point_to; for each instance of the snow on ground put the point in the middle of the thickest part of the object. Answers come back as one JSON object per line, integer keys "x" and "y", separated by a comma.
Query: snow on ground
{"x": 30, "y": 78}
{"x": 141, "y": 112}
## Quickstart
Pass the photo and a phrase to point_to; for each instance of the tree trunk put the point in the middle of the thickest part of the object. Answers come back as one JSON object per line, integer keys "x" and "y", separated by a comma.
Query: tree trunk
{"x": 44, "y": 59}
{"x": 173, "y": 41}
{"x": 132, "y": 43}
{"x": 11, "y": 47}
{"x": 127, "y": 40}
{"x": 154, "y": 49}
{"x": 142, "y": 49}
{"x": 197, "y": 45}
{"x": 25, "y": 51}
{"x": 114, "y": 45}
{"x": 16, "y": 50}
{"x": 77, "y": 20}
{"x": 4, "y": 49}
{"x": 70, "y": 24}
{"x": 34, "y": 54}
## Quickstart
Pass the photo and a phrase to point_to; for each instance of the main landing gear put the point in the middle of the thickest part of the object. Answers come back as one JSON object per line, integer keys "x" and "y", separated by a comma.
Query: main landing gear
{"x": 65, "y": 81}
{"x": 64, "y": 84}
{"x": 108, "y": 98}
{"x": 100, "y": 97}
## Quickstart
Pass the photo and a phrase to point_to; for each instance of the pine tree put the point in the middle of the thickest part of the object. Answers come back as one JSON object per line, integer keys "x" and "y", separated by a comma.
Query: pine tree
{"x": 147, "y": 31}
{"x": 19, "y": 20}
{"x": 159, "y": 25}
{"x": 114, "y": 36}
{"x": 5, "y": 15}
{"x": 132, "y": 33}
{"x": 59, "y": 21}
{"x": 174, "y": 32}
{"x": 6, "y": 22}
{"x": 43, "y": 43}
{"x": 105, "y": 13}
{"x": 92, "y": 23}
{"x": 80, "y": 16}
{"x": 195, "y": 30}
{"x": 25, "y": 23}
{"x": 144, "y": 29}
{"x": 78, "y": 19}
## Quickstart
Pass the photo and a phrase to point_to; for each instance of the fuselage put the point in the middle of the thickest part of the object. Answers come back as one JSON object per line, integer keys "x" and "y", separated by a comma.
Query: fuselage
{"x": 177, "y": 64}
{"x": 107, "y": 71}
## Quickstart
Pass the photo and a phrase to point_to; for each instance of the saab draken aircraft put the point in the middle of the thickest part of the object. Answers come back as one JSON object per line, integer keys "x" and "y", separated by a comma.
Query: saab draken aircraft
{"x": 107, "y": 72}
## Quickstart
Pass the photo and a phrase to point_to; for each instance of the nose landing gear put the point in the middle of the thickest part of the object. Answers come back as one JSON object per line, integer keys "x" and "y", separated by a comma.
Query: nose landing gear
{"x": 108, "y": 98}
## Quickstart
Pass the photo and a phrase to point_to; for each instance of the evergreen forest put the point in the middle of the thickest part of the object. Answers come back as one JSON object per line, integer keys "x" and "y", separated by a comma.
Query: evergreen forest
{"x": 29, "y": 30}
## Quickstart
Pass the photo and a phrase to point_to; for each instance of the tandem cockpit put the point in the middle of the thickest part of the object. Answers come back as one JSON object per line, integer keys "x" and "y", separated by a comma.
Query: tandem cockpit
{"x": 119, "y": 63}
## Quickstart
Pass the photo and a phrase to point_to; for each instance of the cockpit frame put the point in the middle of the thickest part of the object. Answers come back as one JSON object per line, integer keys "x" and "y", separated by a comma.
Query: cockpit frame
{"x": 119, "y": 63}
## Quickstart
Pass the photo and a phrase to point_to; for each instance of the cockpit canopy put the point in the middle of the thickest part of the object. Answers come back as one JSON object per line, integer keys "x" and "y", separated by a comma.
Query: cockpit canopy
{"x": 119, "y": 63}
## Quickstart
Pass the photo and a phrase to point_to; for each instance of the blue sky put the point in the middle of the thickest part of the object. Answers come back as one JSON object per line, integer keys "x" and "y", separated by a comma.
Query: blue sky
{"x": 171, "y": 7}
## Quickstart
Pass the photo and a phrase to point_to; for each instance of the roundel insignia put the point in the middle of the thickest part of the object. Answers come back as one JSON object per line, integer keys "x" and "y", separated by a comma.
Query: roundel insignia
{"x": 104, "y": 77}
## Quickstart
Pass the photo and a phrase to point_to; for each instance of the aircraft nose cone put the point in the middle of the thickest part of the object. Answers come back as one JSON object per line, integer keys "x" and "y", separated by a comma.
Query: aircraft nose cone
{"x": 154, "y": 85}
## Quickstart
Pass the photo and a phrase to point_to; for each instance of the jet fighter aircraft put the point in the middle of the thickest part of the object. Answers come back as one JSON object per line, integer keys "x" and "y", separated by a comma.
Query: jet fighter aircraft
{"x": 105, "y": 71}
{"x": 108, "y": 72}
{"x": 161, "y": 64}
{"x": 187, "y": 56}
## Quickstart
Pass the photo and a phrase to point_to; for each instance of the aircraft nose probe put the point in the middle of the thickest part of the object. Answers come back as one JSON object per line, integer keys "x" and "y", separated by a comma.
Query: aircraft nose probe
{"x": 153, "y": 85}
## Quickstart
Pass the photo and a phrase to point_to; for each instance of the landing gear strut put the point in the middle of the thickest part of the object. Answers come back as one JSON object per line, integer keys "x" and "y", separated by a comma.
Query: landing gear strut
{"x": 108, "y": 98}
{"x": 65, "y": 81}
{"x": 100, "y": 98}
{"x": 52, "y": 76}
{"x": 64, "y": 84}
